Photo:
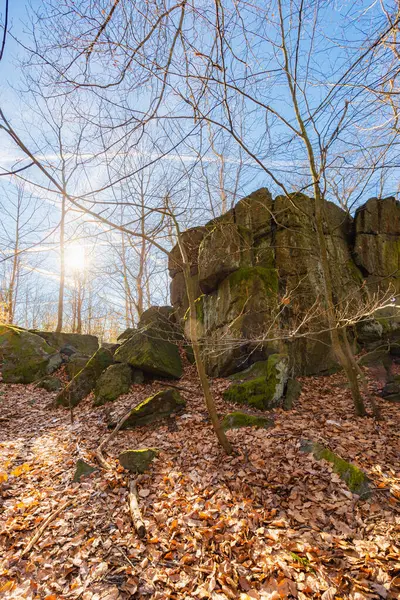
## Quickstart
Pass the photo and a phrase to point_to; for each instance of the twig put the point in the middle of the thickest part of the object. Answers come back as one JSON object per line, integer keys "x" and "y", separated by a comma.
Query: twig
{"x": 44, "y": 526}
{"x": 98, "y": 453}
{"x": 135, "y": 510}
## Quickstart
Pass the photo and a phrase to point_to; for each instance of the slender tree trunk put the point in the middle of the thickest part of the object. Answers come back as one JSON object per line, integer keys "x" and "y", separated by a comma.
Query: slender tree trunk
{"x": 194, "y": 338}
{"x": 341, "y": 350}
{"x": 14, "y": 274}
{"x": 61, "y": 288}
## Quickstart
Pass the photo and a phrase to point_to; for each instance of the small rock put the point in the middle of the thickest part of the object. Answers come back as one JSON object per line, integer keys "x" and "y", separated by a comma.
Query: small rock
{"x": 137, "y": 461}
{"x": 82, "y": 469}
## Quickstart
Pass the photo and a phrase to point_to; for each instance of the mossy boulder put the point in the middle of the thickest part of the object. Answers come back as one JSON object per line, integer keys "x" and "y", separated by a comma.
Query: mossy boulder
{"x": 113, "y": 382}
{"x": 85, "y": 380}
{"x": 237, "y": 419}
{"x": 149, "y": 352}
{"x": 163, "y": 320}
{"x": 137, "y": 461}
{"x": 263, "y": 392}
{"x": 355, "y": 479}
{"x": 25, "y": 356}
{"x": 75, "y": 364}
{"x": 154, "y": 408}
{"x": 82, "y": 343}
{"x": 50, "y": 384}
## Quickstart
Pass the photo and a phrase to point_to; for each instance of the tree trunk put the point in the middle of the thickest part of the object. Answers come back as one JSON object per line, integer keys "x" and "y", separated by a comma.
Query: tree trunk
{"x": 223, "y": 440}
{"x": 60, "y": 309}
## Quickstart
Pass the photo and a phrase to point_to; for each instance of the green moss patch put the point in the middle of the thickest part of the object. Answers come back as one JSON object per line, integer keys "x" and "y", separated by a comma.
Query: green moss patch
{"x": 147, "y": 351}
{"x": 246, "y": 275}
{"x": 137, "y": 461}
{"x": 237, "y": 419}
{"x": 355, "y": 479}
{"x": 258, "y": 369}
{"x": 263, "y": 392}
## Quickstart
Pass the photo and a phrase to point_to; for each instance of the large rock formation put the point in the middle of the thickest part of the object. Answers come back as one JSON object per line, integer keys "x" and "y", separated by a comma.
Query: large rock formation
{"x": 258, "y": 279}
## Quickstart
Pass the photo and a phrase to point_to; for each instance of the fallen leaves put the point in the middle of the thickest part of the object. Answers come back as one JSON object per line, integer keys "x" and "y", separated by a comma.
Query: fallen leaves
{"x": 267, "y": 523}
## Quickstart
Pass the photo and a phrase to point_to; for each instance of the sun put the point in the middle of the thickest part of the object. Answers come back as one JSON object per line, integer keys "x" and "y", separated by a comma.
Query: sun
{"x": 75, "y": 258}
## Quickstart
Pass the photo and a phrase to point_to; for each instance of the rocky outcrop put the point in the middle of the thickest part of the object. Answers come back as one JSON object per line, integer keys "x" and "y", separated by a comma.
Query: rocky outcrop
{"x": 257, "y": 275}
{"x": 79, "y": 343}
{"x": 377, "y": 242}
{"x": 25, "y": 357}
{"x": 85, "y": 380}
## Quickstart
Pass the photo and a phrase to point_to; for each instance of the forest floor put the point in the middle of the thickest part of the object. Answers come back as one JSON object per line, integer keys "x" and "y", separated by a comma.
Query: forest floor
{"x": 268, "y": 522}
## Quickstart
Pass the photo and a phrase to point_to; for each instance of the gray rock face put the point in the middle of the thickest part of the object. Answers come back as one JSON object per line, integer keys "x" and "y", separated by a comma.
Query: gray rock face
{"x": 257, "y": 275}
{"x": 78, "y": 342}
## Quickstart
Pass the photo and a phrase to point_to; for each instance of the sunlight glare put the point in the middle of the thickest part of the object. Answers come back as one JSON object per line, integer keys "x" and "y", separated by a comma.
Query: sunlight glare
{"x": 75, "y": 258}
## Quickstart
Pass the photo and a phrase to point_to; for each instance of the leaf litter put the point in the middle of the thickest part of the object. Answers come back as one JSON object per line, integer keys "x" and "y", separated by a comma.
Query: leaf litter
{"x": 268, "y": 522}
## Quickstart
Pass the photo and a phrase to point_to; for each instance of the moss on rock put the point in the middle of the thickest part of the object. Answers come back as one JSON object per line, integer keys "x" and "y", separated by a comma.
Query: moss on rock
{"x": 355, "y": 479}
{"x": 263, "y": 392}
{"x": 85, "y": 380}
{"x": 83, "y": 343}
{"x": 258, "y": 369}
{"x": 154, "y": 408}
{"x": 113, "y": 382}
{"x": 244, "y": 275}
{"x": 25, "y": 356}
{"x": 50, "y": 384}
{"x": 147, "y": 351}
{"x": 75, "y": 364}
{"x": 237, "y": 419}
{"x": 137, "y": 461}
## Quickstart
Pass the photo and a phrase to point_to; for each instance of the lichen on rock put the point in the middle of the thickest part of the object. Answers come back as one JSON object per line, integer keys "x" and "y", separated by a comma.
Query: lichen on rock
{"x": 25, "y": 356}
